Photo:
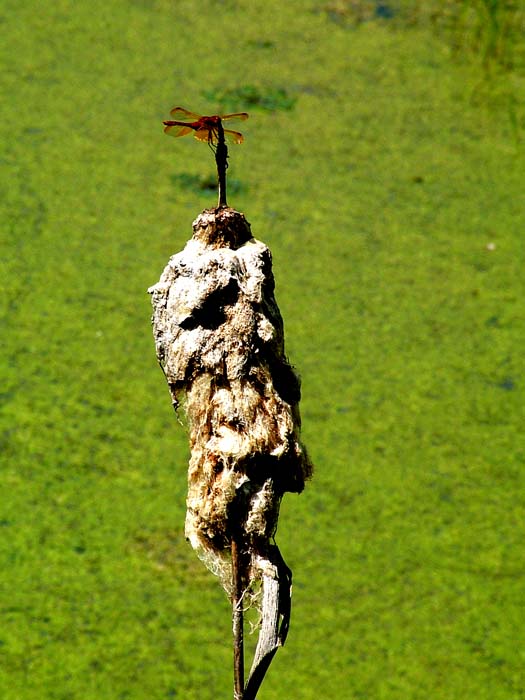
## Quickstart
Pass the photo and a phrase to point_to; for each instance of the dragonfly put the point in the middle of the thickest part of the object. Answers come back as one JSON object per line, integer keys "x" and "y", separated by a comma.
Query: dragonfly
{"x": 205, "y": 129}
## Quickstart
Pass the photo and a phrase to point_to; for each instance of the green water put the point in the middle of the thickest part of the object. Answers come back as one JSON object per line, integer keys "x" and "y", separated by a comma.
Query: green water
{"x": 386, "y": 172}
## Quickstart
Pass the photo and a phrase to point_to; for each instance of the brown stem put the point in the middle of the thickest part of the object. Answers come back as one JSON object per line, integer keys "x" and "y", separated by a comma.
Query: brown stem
{"x": 221, "y": 158}
{"x": 238, "y": 626}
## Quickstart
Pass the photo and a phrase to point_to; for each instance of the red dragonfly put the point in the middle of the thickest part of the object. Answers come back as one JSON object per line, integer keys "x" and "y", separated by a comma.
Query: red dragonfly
{"x": 205, "y": 128}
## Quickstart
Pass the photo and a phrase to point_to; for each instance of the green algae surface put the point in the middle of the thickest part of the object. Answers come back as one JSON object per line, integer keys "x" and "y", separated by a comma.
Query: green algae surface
{"x": 386, "y": 172}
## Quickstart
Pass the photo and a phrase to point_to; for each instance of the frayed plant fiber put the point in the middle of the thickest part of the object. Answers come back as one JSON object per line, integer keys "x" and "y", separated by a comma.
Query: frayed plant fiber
{"x": 219, "y": 340}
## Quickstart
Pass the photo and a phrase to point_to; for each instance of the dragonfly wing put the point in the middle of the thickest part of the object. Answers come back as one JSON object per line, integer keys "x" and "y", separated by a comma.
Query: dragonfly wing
{"x": 177, "y": 129}
{"x": 206, "y": 135}
{"x": 239, "y": 115}
{"x": 233, "y": 136}
{"x": 182, "y": 113}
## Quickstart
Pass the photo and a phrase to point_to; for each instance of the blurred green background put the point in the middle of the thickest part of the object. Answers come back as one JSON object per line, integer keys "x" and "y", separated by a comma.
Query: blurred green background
{"x": 383, "y": 164}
